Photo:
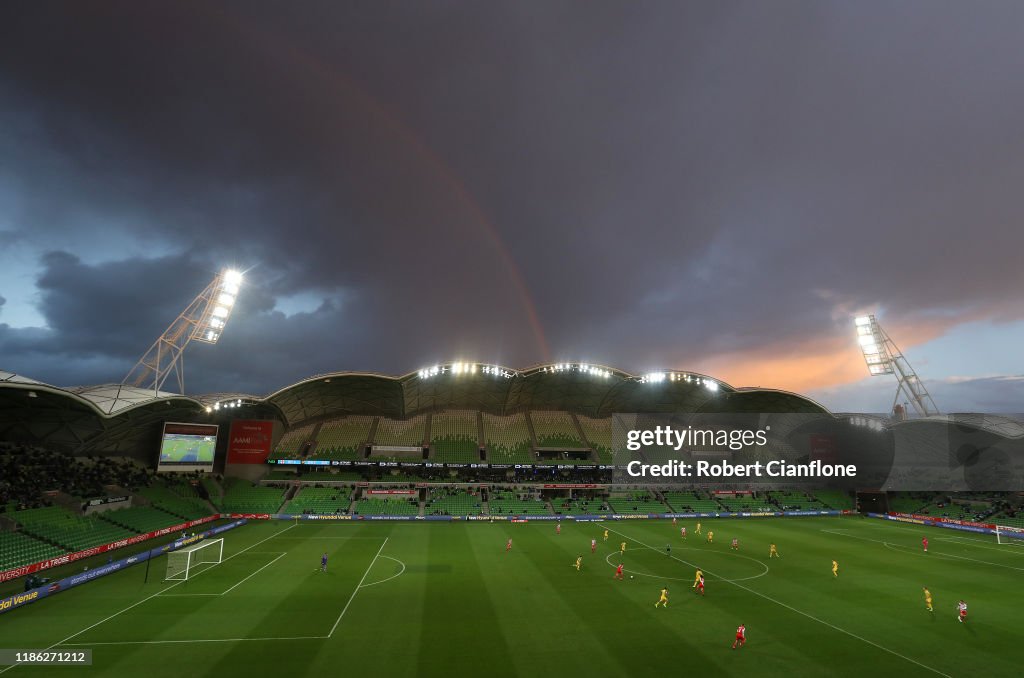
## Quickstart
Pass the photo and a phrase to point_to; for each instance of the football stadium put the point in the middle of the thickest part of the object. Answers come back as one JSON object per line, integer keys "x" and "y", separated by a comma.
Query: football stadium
{"x": 431, "y": 522}
{"x": 504, "y": 339}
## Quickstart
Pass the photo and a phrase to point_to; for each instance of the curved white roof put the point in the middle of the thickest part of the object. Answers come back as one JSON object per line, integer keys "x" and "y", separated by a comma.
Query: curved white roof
{"x": 12, "y": 378}
{"x": 112, "y": 398}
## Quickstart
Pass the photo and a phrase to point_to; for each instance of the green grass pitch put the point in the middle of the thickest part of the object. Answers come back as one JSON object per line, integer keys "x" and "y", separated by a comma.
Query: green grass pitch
{"x": 444, "y": 599}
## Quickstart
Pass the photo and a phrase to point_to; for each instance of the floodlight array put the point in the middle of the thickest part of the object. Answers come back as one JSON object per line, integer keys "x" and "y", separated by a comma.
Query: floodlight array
{"x": 660, "y": 377}
{"x": 221, "y": 298}
{"x": 461, "y": 368}
{"x": 496, "y": 371}
{"x": 224, "y": 405}
{"x": 872, "y": 345}
{"x": 583, "y": 368}
{"x": 868, "y": 422}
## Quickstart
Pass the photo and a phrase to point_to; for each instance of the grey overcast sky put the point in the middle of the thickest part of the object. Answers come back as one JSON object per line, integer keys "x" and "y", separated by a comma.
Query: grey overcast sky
{"x": 713, "y": 186}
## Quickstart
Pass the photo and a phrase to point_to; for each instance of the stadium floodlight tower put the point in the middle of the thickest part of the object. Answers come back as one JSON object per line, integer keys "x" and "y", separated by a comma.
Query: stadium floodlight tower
{"x": 203, "y": 320}
{"x": 883, "y": 356}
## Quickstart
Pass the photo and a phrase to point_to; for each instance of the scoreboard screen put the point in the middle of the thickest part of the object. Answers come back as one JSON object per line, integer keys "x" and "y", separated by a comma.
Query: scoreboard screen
{"x": 187, "y": 447}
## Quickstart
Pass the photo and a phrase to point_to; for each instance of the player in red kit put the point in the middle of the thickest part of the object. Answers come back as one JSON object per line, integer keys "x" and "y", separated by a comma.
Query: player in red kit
{"x": 682, "y": 533}
{"x": 593, "y": 545}
{"x": 961, "y": 608}
{"x": 618, "y": 573}
{"x": 924, "y": 543}
{"x": 508, "y": 546}
{"x": 735, "y": 544}
{"x": 558, "y": 528}
{"x": 700, "y": 585}
{"x": 741, "y": 636}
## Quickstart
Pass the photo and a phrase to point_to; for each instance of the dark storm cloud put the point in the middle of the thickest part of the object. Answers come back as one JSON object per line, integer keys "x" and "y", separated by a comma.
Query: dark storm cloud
{"x": 671, "y": 182}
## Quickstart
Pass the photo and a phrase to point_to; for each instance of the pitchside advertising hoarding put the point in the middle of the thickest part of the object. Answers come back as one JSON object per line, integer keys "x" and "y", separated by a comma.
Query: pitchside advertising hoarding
{"x": 250, "y": 441}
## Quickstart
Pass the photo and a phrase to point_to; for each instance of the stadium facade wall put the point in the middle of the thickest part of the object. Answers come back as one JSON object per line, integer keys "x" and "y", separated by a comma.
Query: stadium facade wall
{"x": 22, "y": 599}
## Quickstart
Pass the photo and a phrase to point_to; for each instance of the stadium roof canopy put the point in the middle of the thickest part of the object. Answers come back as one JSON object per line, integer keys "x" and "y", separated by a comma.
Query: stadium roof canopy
{"x": 590, "y": 390}
{"x": 113, "y": 417}
{"x": 74, "y": 418}
{"x": 110, "y": 416}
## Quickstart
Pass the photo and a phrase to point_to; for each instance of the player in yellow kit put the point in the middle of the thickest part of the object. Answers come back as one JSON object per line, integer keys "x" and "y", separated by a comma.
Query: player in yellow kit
{"x": 579, "y": 563}
{"x": 697, "y": 531}
{"x": 696, "y": 578}
{"x": 928, "y": 600}
{"x": 606, "y": 535}
{"x": 663, "y": 601}
{"x": 835, "y": 569}
{"x": 772, "y": 553}
{"x": 711, "y": 536}
{"x": 622, "y": 548}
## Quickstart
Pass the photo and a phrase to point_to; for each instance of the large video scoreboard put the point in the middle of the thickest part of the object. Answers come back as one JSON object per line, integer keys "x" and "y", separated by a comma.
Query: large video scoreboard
{"x": 187, "y": 447}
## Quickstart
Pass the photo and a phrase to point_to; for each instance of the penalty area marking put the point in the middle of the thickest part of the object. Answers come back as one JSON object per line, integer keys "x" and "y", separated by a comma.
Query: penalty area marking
{"x": 397, "y": 574}
{"x": 717, "y": 577}
{"x": 279, "y": 555}
{"x": 912, "y": 550}
{"x": 977, "y": 543}
{"x": 234, "y": 640}
{"x": 331, "y": 539}
{"x": 136, "y": 604}
{"x": 201, "y": 640}
{"x": 804, "y": 614}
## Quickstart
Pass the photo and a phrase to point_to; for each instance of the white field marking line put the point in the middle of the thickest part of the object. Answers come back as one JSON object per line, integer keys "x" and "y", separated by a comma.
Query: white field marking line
{"x": 717, "y": 578}
{"x": 331, "y": 538}
{"x": 202, "y": 640}
{"x": 92, "y": 626}
{"x": 913, "y": 549}
{"x": 399, "y": 574}
{"x": 809, "y": 616}
{"x": 188, "y": 595}
{"x": 255, "y": 573}
{"x": 267, "y": 553}
{"x": 607, "y": 559}
{"x": 977, "y": 543}
{"x": 356, "y": 590}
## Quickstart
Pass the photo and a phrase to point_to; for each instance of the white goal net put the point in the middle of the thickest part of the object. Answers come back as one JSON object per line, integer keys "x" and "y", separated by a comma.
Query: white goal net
{"x": 1006, "y": 534}
{"x": 183, "y": 563}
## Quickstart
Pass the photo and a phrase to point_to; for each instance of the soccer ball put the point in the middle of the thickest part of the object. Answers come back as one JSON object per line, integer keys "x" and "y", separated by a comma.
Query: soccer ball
{"x": 630, "y": 576}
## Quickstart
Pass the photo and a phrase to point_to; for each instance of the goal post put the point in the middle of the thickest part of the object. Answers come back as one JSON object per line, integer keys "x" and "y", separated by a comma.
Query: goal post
{"x": 183, "y": 563}
{"x": 1008, "y": 534}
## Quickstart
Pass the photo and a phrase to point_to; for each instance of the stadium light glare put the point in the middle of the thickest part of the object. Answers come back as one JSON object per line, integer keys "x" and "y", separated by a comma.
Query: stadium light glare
{"x": 882, "y": 357}
{"x": 710, "y": 385}
{"x": 203, "y": 320}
